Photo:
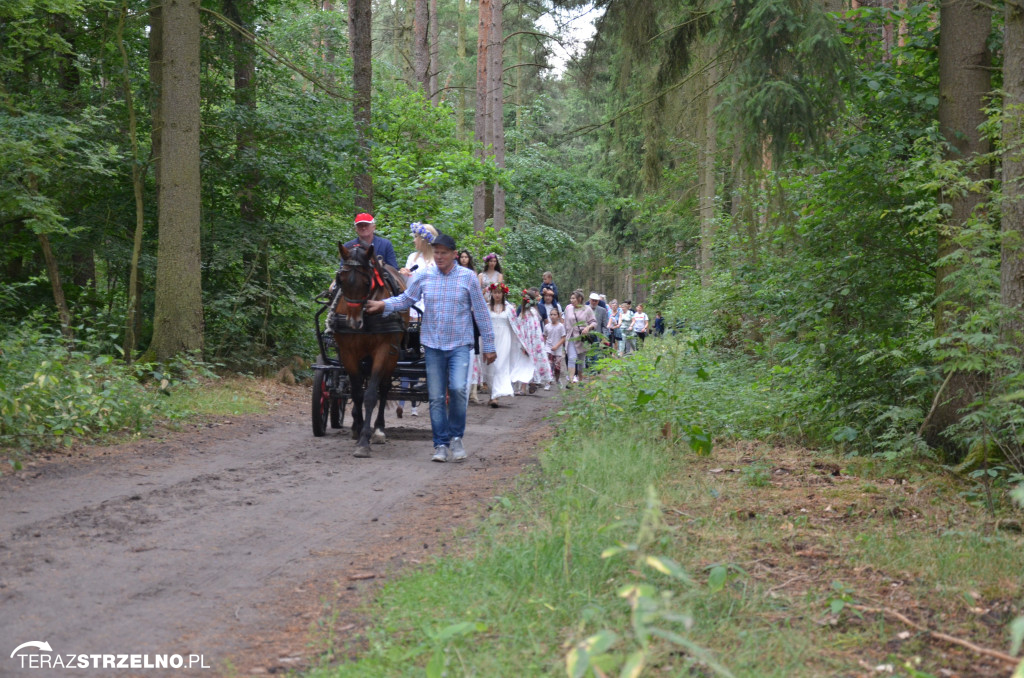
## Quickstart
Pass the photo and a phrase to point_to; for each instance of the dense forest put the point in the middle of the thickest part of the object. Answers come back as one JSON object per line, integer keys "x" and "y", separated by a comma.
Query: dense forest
{"x": 830, "y": 190}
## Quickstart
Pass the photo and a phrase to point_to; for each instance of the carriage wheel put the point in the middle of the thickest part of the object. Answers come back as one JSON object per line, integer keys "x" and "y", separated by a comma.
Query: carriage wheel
{"x": 337, "y": 412}
{"x": 321, "y": 401}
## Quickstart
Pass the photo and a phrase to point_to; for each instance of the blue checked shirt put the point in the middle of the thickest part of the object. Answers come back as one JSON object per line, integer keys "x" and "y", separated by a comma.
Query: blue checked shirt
{"x": 452, "y": 301}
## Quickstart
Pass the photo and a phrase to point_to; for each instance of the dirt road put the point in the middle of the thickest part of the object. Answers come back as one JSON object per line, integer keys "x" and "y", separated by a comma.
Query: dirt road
{"x": 228, "y": 541}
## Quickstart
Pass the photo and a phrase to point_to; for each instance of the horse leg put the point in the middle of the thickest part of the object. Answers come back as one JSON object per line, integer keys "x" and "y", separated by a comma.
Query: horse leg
{"x": 369, "y": 402}
{"x": 357, "y": 382}
{"x": 379, "y": 435}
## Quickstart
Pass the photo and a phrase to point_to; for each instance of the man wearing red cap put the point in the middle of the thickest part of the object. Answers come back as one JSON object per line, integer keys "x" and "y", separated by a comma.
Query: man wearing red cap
{"x": 366, "y": 227}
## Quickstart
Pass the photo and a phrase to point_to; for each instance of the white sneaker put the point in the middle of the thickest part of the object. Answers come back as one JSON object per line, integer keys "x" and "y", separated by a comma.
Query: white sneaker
{"x": 575, "y": 380}
{"x": 440, "y": 454}
{"x": 458, "y": 451}
{"x": 547, "y": 387}
{"x": 414, "y": 412}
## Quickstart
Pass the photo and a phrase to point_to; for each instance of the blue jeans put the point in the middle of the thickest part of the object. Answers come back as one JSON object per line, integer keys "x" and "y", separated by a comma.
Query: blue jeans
{"x": 447, "y": 375}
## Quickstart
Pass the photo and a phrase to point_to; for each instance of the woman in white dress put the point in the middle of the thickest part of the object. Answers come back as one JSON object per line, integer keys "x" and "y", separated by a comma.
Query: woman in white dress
{"x": 513, "y": 362}
{"x": 491, "y": 275}
{"x": 420, "y": 259}
{"x": 423, "y": 255}
{"x": 530, "y": 331}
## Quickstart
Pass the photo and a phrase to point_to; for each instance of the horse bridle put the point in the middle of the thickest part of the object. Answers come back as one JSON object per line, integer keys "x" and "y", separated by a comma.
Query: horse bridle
{"x": 374, "y": 281}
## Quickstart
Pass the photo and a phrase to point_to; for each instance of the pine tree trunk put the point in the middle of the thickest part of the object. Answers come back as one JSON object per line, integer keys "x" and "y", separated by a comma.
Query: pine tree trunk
{"x": 460, "y": 51}
{"x": 482, "y": 126}
{"x": 964, "y": 81}
{"x": 497, "y": 90}
{"x": 519, "y": 86}
{"x": 709, "y": 150}
{"x": 1012, "y": 265}
{"x": 156, "y": 61}
{"x": 435, "y": 54}
{"x": 178, "y": 316}
{"x": 361, "y": 46}
{"x": 421, "y": 45}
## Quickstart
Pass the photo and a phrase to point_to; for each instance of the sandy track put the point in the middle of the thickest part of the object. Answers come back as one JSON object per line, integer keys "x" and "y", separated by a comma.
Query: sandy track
{"x": 231, "y": 539}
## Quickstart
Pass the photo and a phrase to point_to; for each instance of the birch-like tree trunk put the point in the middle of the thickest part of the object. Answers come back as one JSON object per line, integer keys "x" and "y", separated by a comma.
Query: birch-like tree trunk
{"x": 131, "y": 323}
{"x": 482, "y": 122}
{"x": 496, "y": 80}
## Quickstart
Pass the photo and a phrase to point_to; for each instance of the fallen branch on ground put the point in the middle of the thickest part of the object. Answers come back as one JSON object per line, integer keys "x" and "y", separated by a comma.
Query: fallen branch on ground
{"x": 937, "y": 634}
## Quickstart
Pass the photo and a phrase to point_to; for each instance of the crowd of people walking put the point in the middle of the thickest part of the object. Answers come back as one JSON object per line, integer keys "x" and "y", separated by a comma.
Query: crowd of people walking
{"x": 483, "y": 338}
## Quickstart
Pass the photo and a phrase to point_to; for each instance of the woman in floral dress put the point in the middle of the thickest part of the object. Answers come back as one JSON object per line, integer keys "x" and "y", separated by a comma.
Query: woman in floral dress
{"x": 531, "y": 335}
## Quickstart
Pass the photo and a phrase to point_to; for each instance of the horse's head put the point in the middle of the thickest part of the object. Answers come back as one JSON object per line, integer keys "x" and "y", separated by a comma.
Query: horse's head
{"x": 357, "y": 281}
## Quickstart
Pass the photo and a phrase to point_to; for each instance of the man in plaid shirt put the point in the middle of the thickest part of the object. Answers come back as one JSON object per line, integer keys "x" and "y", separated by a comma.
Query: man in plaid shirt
{"x": 453, "y": 301}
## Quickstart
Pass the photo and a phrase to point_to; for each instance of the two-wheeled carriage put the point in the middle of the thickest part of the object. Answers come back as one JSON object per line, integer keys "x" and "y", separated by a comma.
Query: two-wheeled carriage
{"x": 332, "y": 387}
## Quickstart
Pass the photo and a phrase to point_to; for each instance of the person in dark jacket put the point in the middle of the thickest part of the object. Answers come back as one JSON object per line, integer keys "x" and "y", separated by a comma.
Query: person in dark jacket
{"x": 548, "y": 283}
{"x": 366, "y": 235}
{"x": 659, "y": 324}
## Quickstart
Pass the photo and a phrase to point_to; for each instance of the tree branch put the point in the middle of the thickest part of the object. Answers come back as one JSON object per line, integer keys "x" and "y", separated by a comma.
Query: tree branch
{"x": 273, "y": 54}
{"x": 937, "y": 634}
{"x": 579, "y": 131}
{"x": 509, "y": 68}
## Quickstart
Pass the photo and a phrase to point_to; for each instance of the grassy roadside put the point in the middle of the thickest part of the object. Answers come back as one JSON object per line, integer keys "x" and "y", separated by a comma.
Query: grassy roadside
{"x": 628, "y": 553}
{"x": 85, "y": 415}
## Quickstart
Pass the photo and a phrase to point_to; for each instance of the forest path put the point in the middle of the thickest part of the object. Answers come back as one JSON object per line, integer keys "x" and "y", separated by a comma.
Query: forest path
{"x": 231, "y": 539}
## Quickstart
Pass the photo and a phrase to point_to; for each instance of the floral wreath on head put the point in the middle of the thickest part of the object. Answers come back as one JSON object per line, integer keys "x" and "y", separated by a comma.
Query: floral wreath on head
{"x": 422, "y": 231}
{"x": 490, "y": 256}
{"x": 498, "y": 286}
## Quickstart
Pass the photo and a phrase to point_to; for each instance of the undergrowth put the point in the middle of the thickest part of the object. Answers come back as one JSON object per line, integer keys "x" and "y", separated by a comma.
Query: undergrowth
{"x": 648, "y": 542}
{"x": 55, "y": 392}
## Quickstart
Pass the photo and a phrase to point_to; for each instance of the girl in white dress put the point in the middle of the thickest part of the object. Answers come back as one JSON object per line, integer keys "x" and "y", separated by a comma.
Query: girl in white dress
{"x": 491, "y": 275}
{"x": 513, "y": 362}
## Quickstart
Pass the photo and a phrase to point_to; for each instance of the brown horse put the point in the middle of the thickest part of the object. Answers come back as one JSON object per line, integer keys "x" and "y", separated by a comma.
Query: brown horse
{"x": 368, "y": 346}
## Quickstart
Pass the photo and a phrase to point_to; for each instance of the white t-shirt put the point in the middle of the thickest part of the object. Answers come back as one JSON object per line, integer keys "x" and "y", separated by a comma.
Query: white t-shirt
{"x": 416, "y": 259}
{"x": 552, "y": 334}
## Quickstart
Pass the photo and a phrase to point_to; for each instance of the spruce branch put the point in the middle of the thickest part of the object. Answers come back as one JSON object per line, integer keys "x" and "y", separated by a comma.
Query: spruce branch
{"x": 270, "y": 51}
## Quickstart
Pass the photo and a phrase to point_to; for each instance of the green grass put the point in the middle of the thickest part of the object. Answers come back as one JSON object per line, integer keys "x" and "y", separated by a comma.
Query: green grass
{"x": 625, "y": 545}
{"x": 232, "y": 397}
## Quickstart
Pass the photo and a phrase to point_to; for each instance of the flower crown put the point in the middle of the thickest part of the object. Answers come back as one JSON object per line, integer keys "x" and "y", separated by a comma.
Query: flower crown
{"x": 490, "y": 256}
{"x": 498, "y": 286}
{"x": 422, "y": 231}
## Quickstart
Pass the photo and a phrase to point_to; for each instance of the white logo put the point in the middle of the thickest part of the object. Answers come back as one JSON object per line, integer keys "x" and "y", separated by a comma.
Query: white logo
{"x": 40, "y": 644}
{"x": 30, "y": 660}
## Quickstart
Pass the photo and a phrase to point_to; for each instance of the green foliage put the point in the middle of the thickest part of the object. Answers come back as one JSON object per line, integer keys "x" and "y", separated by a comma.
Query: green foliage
{"x": 51, "y": 394}
{"x": 785, "y": 83}
{"x": 653, "y": 611}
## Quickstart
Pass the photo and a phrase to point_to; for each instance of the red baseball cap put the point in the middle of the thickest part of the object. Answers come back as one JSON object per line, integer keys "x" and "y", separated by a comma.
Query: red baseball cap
{"x": 365, "y": 217}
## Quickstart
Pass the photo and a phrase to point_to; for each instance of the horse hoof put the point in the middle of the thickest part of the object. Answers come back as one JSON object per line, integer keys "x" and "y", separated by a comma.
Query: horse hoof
{"x": 362, "y": 452}
{"x": 378, "y": 438}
